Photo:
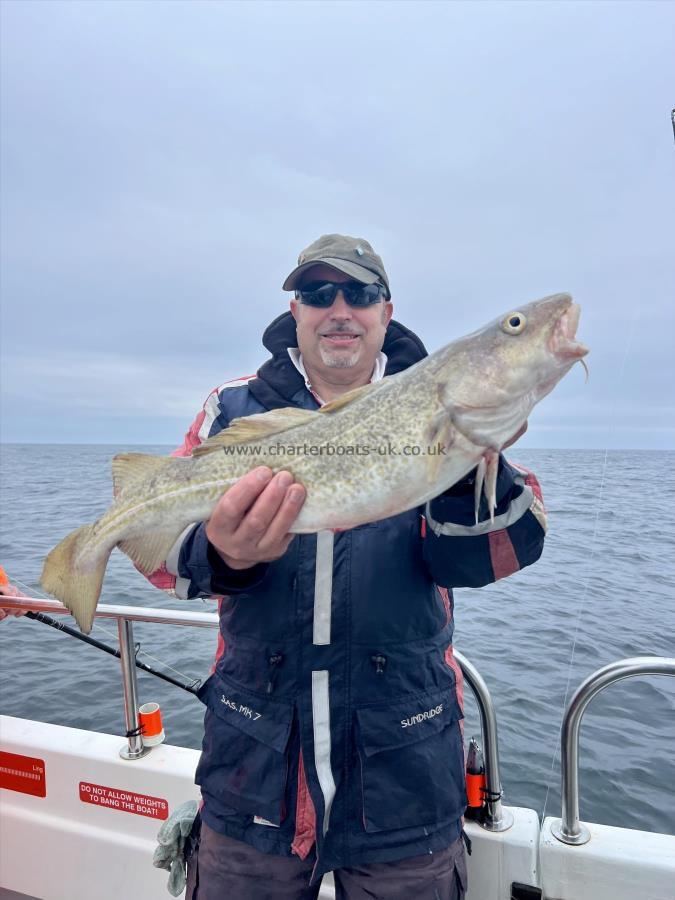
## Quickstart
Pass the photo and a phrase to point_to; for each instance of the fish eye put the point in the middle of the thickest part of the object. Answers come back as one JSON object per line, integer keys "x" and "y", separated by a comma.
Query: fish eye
{"x": 514, "y": 323}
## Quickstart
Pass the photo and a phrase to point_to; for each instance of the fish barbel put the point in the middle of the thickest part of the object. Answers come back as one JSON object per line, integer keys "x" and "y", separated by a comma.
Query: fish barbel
{"x": 375, "y": 452}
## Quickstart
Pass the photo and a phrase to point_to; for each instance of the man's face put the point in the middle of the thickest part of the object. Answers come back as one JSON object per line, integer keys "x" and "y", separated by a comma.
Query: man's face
{"x": 342, "y": 336}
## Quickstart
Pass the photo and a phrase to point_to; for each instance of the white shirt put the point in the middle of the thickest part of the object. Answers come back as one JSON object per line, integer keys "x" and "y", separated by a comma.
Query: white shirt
{"x": 296, "y": 359}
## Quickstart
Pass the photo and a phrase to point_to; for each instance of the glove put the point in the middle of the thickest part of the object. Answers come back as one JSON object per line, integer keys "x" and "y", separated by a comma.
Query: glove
{"x": 172, "y": 838}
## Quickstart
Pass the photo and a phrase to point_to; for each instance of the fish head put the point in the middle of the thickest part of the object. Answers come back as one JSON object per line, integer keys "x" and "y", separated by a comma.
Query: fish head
{"x": 499, "y": 373}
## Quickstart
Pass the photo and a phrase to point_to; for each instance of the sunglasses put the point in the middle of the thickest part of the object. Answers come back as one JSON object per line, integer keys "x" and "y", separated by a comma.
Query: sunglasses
{"x": 322, "y": 293}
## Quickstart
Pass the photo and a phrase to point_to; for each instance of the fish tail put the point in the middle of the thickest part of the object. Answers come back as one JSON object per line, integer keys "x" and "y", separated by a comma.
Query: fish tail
{"x": 75, "y": 583}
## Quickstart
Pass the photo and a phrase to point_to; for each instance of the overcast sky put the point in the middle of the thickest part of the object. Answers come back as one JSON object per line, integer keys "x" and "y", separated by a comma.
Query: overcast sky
{"x": 164, "y": 163}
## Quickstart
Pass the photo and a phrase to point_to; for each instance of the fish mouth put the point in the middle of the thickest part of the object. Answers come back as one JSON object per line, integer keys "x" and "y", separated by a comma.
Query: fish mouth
{"x": 563, "y": 343}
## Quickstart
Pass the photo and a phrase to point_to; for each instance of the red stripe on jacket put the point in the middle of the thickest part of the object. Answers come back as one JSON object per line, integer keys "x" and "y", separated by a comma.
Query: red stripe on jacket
{"x": 531, "y": 481}
{"x": 305, "y": 816}
{"x": 502, "y": 555}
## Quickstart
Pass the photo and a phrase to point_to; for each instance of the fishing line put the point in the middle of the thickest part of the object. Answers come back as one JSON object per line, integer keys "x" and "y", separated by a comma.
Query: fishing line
{"x": 582, "y": 602}
{"x": 190, "y": 685}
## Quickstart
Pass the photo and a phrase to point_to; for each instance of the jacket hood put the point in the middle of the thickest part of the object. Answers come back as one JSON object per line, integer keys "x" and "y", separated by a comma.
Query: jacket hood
{"x": 278, "y": 382}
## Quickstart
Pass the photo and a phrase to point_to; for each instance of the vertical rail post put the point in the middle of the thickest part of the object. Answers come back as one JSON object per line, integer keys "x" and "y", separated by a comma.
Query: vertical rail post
{"x": 497, "y": 818}
{"x": 134, "y": 749}
{"x": 569, "y": 829}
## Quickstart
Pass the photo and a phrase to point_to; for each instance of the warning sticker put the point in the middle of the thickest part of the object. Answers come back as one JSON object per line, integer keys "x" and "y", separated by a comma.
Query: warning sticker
{"x": 124, "y": 801}
{"x": 25, "y": 774}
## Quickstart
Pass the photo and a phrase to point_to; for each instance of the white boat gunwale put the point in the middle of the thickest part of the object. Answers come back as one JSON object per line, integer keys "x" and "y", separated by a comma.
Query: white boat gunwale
{"x": 510, "y": 847}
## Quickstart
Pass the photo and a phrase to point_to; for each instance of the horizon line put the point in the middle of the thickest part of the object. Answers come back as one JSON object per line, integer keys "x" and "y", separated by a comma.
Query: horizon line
{"x": 162, "y": 444}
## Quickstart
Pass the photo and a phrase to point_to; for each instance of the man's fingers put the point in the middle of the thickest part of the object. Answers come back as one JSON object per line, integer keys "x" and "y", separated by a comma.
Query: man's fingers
{"x": 10, "y": 590}
{"x": 12, "y": 613}
{"x": 233, "y": 506}
{"x": 258, "y": 519}
{"x": 277, "y": 539}
{"x": 251, "y": 521}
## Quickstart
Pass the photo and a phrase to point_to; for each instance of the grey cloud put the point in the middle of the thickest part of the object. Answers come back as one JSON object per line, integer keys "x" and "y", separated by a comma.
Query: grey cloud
{"x": 163, "y": 164}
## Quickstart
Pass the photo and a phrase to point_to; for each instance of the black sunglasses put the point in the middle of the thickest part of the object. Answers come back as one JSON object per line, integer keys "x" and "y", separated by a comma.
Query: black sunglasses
{"x": 323, "y": 293}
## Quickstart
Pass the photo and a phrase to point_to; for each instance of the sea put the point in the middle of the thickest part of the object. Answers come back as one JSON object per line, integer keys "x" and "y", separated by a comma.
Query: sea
{"x": 603, "y": 590}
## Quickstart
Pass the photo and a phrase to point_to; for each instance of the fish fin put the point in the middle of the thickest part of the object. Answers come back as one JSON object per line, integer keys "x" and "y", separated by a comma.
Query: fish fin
{"x": 433, "y": 465}
{"x": 77, "y": 587}
{"x": 148, "y": 551}
{"x": 491, "y": 458}
{"x": 255, "y": 428}
{"x": 129, "y": 467}
{"x": 478, "y": 486}
{"x": 276, "y": 421}
{"x": 345, "y": 399}
{"x": 439, "y": 434}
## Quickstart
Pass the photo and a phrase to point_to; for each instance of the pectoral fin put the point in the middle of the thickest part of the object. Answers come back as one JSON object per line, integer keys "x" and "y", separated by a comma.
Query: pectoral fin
{"x": 440, "y": 436}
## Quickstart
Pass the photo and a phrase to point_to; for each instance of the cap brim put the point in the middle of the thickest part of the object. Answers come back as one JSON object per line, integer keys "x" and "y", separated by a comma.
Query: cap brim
{"x": 358, "y": 273}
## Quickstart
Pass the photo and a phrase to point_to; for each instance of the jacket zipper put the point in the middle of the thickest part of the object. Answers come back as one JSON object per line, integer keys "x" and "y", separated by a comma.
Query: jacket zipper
{"x": 273, "y": 662}
{"x": 379, "y": 661}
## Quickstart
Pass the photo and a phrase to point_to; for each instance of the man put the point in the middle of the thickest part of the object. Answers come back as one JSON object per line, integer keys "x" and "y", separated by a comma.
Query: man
{"x": 333, "y": 724}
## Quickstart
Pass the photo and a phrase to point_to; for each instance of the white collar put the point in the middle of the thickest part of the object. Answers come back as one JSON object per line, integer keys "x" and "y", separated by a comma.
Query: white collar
{"x": 296, "y": 359}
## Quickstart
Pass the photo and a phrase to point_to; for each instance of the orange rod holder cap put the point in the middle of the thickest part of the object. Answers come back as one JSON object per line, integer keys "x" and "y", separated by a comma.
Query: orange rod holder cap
{"x": 150, "y": 717}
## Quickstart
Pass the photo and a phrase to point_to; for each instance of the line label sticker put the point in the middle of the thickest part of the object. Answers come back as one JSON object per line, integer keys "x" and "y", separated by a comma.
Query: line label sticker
{"x": 25, "y": 774}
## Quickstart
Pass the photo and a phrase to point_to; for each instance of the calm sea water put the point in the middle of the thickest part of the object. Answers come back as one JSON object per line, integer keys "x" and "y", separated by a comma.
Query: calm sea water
{"x": 604, "y": 590}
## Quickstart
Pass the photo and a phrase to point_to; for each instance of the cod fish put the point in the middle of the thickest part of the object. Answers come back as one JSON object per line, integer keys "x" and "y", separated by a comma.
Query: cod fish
{"x": 375, "y": 452}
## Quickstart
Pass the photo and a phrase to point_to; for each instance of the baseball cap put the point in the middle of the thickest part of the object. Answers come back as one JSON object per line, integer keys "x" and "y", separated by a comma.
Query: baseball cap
{"x": 352, "y": 256}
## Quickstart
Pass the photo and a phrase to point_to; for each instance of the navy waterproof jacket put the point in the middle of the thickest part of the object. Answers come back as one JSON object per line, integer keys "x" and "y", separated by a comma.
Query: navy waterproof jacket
{"x": 334, "y": 712}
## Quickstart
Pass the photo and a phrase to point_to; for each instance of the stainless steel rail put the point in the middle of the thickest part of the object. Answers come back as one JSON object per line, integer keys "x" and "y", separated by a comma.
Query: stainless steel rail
{"x": 130, "y": 613}
{"x": 125, "y": 615}
{"x": 127, "y": 653}
{"x": 569, "y": 829}
{"x": 497, "y": 818}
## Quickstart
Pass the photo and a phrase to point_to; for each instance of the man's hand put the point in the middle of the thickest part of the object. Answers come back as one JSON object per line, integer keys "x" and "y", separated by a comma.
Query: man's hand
{"x": 10, "y": 590}
{"x": 250, "y": 522}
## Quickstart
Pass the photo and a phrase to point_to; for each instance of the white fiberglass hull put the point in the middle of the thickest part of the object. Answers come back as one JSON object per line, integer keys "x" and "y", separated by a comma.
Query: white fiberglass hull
{"x": 66, "y": 844}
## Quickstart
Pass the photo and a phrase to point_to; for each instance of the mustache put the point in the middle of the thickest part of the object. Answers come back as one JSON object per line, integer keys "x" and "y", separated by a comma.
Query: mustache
{"x": 339, "y": 330}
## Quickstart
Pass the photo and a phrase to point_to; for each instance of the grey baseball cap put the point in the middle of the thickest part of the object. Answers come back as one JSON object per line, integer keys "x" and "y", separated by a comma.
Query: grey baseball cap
{"x": 352, "y": 256}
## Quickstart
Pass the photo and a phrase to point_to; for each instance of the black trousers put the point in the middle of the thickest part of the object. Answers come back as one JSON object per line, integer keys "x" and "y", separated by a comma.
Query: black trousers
{"x": 226, "y": 869}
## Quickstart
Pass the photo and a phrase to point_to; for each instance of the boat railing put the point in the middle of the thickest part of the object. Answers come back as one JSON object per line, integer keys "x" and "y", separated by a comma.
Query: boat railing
{"x": 496, "y": 817}
{"x": 569, "y": 829}
{"x": 125, "y": 616}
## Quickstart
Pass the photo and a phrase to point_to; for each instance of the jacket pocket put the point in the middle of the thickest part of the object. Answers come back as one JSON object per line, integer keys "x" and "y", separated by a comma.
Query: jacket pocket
{"x": 412, "y": 762}
{"x": 244, "y": 753}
